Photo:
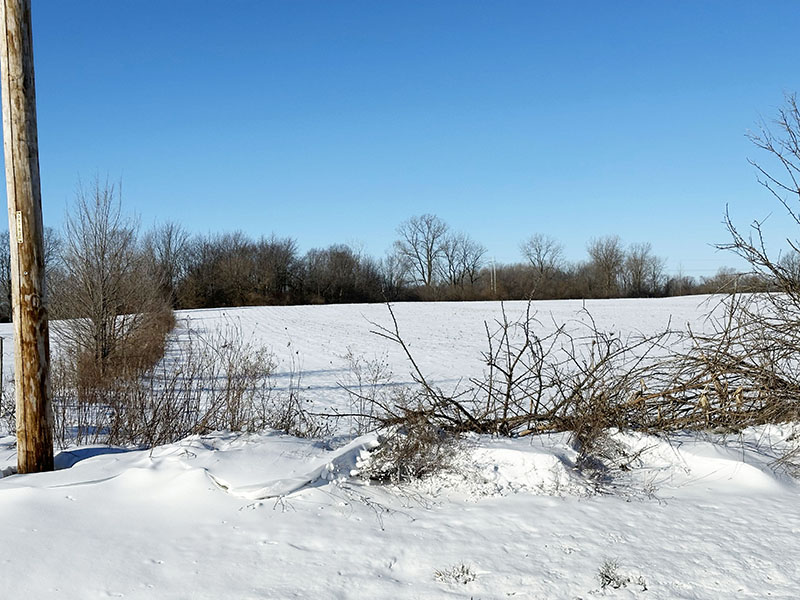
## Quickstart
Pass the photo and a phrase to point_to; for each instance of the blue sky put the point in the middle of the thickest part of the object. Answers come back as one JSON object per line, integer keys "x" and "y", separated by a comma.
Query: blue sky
{"x": 334, "y": 121}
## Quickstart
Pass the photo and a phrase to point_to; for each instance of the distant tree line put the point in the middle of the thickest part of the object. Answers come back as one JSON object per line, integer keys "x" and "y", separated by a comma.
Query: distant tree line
{"x": 428, "y": 261}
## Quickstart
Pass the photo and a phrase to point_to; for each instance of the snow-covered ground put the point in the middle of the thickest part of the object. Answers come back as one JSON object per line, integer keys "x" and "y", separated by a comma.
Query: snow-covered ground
{"x": 271, "y": 516}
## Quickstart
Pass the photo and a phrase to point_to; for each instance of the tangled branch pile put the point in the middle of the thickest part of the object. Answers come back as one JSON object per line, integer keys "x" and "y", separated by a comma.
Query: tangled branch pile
{"x": 583, "y": 380}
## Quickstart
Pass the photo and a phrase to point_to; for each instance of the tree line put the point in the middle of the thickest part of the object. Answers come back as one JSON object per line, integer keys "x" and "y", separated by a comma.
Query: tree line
{"x": 427, "y": 261}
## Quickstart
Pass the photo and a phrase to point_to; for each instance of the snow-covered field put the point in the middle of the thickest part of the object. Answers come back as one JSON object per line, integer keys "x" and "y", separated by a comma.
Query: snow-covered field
{"x": 270, "y": 516}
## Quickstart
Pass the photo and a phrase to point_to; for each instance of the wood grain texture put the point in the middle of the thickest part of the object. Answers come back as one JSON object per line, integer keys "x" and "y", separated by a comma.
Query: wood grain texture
{"x": 31, "y": 336}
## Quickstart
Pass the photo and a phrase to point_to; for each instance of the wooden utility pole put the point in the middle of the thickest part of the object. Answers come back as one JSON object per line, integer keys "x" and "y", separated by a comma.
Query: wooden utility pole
{"x": 31, "y": 336}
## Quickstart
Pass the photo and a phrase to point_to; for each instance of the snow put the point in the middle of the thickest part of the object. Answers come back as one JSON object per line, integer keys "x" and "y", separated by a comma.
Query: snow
{"x": 692, "y": 515}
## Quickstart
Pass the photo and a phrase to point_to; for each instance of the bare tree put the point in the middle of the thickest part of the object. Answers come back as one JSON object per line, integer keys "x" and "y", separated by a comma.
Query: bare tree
{"x": 395, "y": 276}
{"x": 341, "y": 274}
{"x": 544, "y": 253}
{"x": 421, "y": 246}
{"x": 52, "y": 262}
{"x": 607, "y": 261}
{"x": 166, "y": 247}
{"x": 546, "y": 256}
{"x": 725, "y": 281}
{"x": 782, "y": 145}
{"x": 643, "y": 271}
{"x": 790, "y": 262}
{"x": 680, "y": 284}
{"x": 276, "y": 265}
{"x": 463, "y": 259}
{"x": 220, "y": 271}
{"x": 108, "y": 295}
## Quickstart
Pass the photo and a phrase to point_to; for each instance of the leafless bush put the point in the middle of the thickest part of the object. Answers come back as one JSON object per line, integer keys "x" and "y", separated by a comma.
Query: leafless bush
{"x": 75, "y": 420}
{"x": 410, "y": 451}
{"x": 577, "y": 378}
{"x": 219, "y": 380}
{"x": 609, "y": 576}
{"x": 745, "y": 370}
{"x": 367, "y": 382}
{"x": 134, "y": 354}
{"x": 462, "y": 573}
{"x": 290, "y": 411}
{"x": 516, "y": 385}
{"x": 8, "y": 405}
{"x": 447, "y": 411}
{"x": 112, "y": 313}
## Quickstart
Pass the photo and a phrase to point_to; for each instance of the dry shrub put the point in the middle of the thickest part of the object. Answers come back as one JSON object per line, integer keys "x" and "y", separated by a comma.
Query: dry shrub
{"x": 789, "y": 460}
{"x": 8, "y": 405}
{"x": 461, "y": 573}
{"x": 367, "y": 382}
{"x": 589, "y": 424}
{"x": 145, "y": 347}
{"x": 610, "y": 576}
{"x": 110, "y": 309}
{"x": 413, "y": 450}
{"x": 133, "y": 355}
{"x": 221, "y": 380}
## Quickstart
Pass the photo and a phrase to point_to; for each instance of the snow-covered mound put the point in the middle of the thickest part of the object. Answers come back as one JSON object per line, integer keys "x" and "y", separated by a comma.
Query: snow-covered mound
{"x": 268, "y": 515}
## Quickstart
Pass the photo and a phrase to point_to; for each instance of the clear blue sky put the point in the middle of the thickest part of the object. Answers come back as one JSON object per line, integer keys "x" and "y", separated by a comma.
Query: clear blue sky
{"x": 334, "y": 121}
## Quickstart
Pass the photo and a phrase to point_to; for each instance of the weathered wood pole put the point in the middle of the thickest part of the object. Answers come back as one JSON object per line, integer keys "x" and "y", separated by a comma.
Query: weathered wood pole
{"x": 31, "y": 336}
